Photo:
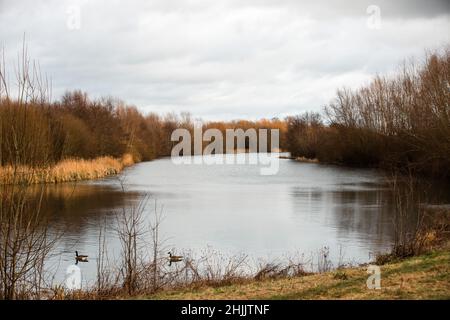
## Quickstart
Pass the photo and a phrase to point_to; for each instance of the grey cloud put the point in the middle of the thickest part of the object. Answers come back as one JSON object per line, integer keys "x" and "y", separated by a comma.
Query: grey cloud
{"x": 338, "y": 8}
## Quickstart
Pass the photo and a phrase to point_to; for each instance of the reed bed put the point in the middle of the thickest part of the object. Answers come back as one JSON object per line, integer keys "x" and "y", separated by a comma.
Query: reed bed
{"x": 67, "y": 170}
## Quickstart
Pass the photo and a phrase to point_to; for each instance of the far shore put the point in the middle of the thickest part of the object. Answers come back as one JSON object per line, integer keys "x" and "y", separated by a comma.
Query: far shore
{"x": 300, "y": 159}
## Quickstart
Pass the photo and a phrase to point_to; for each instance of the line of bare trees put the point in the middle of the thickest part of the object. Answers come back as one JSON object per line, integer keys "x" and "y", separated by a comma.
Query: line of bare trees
{"x": 78, "y": 127}
{"x": 36, "y": 132}
{"x": 400, "y": 122}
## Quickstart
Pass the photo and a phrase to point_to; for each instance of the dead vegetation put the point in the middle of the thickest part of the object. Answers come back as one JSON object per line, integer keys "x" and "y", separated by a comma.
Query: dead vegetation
{"x": 67, "y": 170}
{"x": 25, "y": 240}
{"x": 421, "y": 277}
{"x": 399, "y": 123}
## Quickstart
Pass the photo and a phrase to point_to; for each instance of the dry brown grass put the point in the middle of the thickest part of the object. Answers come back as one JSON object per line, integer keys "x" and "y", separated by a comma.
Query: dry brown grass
{"x": 66, "y": 171}
{"x": 303, "y": 159}
{"x": 423, "y": 277}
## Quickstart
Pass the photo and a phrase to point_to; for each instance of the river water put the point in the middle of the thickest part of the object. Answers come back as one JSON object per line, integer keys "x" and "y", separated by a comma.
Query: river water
{"x": 230, "y": 208}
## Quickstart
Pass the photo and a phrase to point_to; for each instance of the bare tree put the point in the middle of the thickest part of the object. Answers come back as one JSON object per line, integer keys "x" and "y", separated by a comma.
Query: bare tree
{"x": 131, "y": 231}
{"x": 25, "y": 241}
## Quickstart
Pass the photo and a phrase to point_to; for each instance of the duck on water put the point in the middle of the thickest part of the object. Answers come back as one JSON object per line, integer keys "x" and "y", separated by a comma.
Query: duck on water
{"x": 173, "y": 258}
{"x": 80, "y": 258}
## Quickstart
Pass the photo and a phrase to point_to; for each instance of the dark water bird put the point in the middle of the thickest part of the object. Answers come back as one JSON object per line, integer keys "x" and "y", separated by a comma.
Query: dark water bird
{"x": 174, "y": 258}
{"x": 80, "y": 257}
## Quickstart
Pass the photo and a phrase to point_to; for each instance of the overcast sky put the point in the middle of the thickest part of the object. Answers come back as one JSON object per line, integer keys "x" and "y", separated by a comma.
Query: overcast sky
{"x": 220, "y": 59}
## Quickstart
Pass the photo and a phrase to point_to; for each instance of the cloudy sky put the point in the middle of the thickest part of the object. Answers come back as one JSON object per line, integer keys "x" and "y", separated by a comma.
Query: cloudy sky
{"x": 220, "y": 59}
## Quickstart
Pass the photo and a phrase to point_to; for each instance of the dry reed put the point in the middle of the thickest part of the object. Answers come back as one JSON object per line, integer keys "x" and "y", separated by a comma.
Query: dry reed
{"x": 67, "y": 170}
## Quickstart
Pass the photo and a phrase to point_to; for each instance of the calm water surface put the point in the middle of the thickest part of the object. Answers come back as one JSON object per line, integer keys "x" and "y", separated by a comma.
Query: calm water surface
{"x": 231, "y": 208}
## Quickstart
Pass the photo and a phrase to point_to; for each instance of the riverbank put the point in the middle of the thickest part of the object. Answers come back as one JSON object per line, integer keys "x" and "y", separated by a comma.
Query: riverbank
{"x": 69, "y": 170}
{"x": 306, "y": 160}
{"x": 423, "y": 277}
{"x": 299, "y": 159}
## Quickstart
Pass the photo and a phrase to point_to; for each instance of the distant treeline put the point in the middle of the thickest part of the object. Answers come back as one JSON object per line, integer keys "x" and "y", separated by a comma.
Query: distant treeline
{"x": 400, "y": 122}
{"x": 39, "y": 133}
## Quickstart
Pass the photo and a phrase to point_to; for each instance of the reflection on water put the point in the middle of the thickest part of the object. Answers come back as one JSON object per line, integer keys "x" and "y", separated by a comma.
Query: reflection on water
{"x": 77, "y": 211}
{"x": 74, "y": 207}
{"x": 233, "y": 209}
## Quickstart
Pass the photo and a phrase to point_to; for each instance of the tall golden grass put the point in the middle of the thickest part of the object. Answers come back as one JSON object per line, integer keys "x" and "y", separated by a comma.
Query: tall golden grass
{"x": 67, "y": 170}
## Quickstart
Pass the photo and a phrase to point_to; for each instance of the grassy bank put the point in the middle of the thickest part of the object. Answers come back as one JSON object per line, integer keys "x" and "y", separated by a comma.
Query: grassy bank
{"x": 66, "y": 170}
{"x": 423, "y": 277}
